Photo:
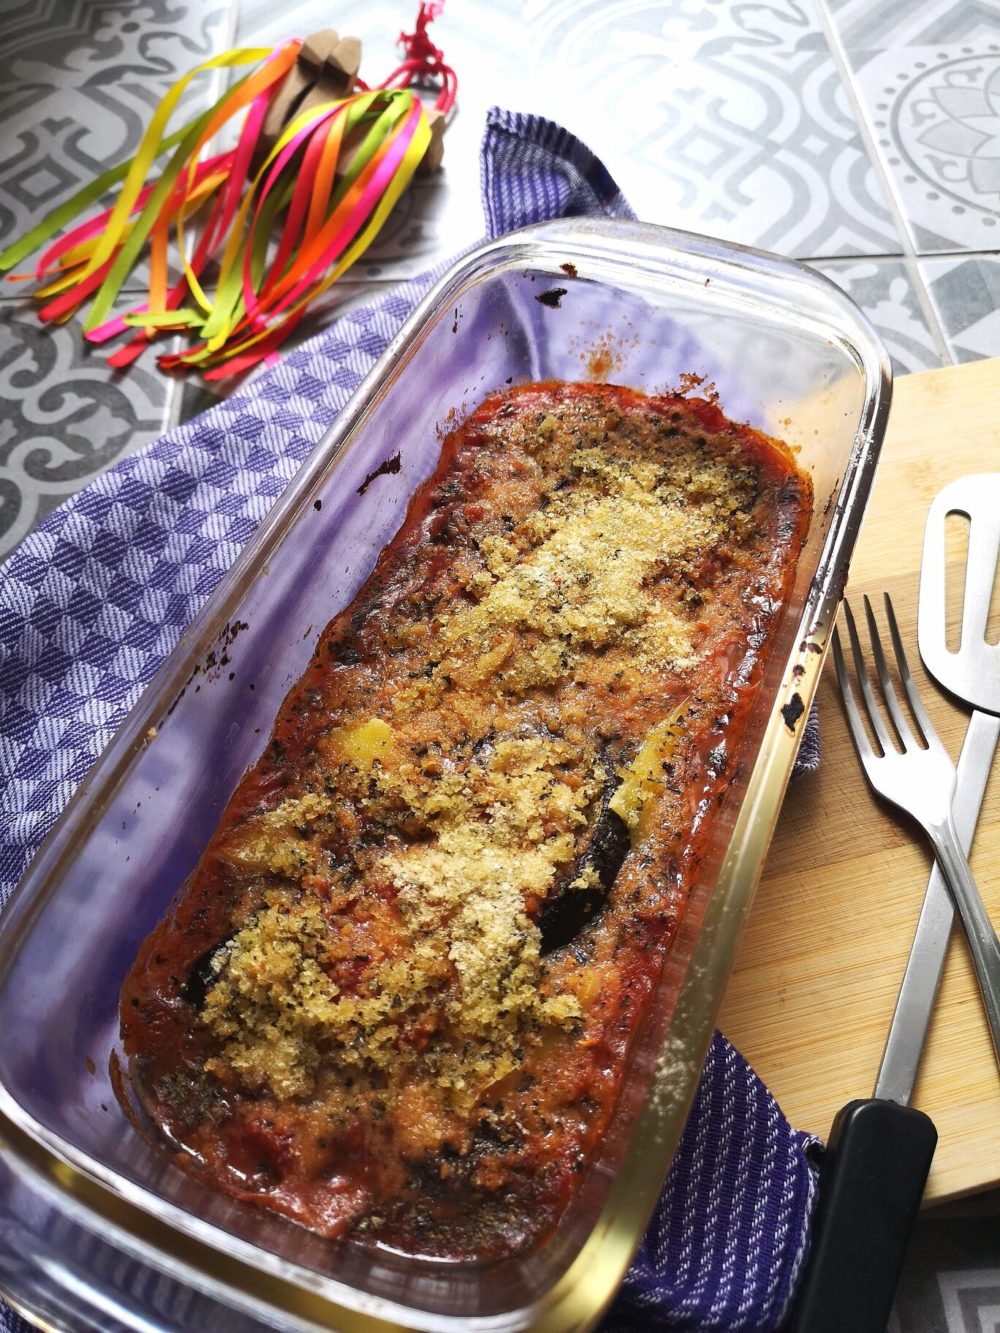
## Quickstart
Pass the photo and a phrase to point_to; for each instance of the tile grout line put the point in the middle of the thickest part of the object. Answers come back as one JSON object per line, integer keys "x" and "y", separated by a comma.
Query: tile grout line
{"x": 896, "y": 255}
{"x": 233, "y": 23}
{"x": 909, "y": 256}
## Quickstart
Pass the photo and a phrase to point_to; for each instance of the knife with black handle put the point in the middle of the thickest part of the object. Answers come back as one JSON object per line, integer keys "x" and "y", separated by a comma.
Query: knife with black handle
{"x": 880, "y": 1148}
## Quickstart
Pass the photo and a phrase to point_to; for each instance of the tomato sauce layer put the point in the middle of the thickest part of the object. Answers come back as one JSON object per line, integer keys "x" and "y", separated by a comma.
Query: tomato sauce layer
{"x": 395, "y": 1000}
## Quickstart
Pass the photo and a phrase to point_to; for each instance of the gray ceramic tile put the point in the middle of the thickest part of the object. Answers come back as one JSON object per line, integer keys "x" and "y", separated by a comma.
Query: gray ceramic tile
{"x": 723, "y": 118}
{"x": 741, "y": 125}
{"x": 883, "y": 290}
{"x": 965, "y": 290}
{"x": 928, "y": 76}
{"x": 867, "y": 27}
{"x": 66, "y": 416}
{"x": 78, "y": 85}
{"x": 951, "y": 1278}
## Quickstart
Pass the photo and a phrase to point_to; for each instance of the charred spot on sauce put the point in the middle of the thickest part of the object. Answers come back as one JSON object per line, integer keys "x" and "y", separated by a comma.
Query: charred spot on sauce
{"x": 387, "y": 468}
{"x": 793, "y": 710}
{"x": 569, "y": 269}
{"x": 552, "y": 298}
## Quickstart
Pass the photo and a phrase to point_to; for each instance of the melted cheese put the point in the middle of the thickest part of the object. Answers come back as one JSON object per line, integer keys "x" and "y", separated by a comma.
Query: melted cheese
{"x": 643, "y": 780}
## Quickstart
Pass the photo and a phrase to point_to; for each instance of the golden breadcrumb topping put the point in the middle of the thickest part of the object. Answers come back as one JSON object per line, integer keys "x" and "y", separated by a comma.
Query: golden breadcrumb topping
{"x": 471, "y": 950}
{"x": 574, "y": 580}
{"x": 399, "y": 992}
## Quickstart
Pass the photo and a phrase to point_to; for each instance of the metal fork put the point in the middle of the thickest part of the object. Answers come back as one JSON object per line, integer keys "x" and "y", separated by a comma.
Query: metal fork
{"x": 921, "y": 780}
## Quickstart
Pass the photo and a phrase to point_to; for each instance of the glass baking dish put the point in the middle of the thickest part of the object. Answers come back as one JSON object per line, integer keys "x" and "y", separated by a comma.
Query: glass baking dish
{"x": 87, "y": 1206}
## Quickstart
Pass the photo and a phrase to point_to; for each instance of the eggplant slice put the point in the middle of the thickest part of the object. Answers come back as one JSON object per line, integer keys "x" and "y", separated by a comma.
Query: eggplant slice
{"x": 203, "y": 974}
{"x": 567, "y": 910}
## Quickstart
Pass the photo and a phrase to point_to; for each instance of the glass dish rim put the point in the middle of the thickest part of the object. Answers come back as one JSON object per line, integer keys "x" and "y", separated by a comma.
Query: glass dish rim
{"x": 592, "y": 1282}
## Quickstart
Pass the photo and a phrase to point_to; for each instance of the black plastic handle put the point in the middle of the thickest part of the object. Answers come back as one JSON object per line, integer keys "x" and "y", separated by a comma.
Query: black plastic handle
{"x": 870, "y": 1186}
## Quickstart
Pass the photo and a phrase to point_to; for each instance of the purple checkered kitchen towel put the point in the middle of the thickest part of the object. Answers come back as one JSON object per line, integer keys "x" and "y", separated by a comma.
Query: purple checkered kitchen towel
{"x": 96, "y": 596}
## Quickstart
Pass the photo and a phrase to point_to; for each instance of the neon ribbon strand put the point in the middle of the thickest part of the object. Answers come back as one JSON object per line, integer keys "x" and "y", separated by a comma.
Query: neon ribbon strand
{"x": 268, "y": 242}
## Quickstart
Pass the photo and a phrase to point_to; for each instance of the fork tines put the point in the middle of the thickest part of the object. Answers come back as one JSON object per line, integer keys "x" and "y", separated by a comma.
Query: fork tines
{"x": 920, "y": 779}
{"x": 927, "y": 737}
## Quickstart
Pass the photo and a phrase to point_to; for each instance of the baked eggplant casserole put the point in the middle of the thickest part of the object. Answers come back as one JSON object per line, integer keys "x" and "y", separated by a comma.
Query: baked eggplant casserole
{"x": 395, "y": 1000}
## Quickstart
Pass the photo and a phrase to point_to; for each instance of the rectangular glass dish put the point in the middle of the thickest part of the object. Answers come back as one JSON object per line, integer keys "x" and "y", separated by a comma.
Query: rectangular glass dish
{"x": 786, "y": 352}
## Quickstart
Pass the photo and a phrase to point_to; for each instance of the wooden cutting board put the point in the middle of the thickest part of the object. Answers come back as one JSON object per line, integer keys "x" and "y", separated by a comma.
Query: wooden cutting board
{"x": 815, "y": 981}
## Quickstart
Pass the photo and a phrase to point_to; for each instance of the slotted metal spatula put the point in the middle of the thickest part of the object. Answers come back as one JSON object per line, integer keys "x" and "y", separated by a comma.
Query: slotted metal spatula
{"x": 972, "y": 671}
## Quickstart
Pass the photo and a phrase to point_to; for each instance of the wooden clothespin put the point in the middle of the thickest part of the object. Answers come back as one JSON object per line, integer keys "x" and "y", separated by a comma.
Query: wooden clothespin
{"x": 431, "y": 160}
{"x": 325, "y": 70}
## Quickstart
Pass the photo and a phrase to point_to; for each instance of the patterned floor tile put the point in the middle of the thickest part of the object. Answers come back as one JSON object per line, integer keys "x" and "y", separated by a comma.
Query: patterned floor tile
{"x": 78, "y": 86}
{"x": 965, "y": 290}
{"x": 951, "y": 1277}
{"x": 744, "y": 131}
{"x": 883, "y": 290}
{"x": 66, "y": 417}
{"x": 722, "y": 118}
{"x": 867, "y": 27}
{"x": 928, "y": 77}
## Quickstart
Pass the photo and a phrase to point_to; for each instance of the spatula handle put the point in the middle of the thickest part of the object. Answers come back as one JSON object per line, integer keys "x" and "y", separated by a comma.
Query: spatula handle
{"x": 870, "y": 1186}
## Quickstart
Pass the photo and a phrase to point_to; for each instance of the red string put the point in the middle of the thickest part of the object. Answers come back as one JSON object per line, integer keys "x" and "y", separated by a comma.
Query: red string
{"x": 423, "y": 60}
